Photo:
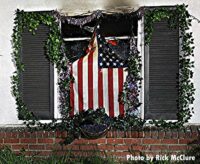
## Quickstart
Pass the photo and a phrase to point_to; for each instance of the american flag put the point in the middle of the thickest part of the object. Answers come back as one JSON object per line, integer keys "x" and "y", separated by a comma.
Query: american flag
{"x": 99, "y": 77}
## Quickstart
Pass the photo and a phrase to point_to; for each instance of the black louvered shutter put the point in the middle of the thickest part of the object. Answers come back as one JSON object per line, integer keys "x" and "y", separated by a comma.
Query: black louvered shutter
{"x": 37, "y": 79}
{"x": 161, "y": 73}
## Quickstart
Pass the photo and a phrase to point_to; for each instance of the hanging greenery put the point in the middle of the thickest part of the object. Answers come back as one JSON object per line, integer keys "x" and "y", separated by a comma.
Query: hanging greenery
{"x": 56, "y": 52}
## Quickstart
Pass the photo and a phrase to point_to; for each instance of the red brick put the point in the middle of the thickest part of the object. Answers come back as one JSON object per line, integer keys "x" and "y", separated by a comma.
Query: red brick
{"x": 122, "y": 147}
{"x": 1, "y": 140}
{"x": 27, "y": 134}
{"x": 19, "y": 147}
{"x": 129, "y": 141}
{"x": 21, "y": 135}
{"x": 59, "y": 140}
{"x": 141, "y": 134}
{"x": 2, "y": 134}
{"x": 80, "y": 141}
{"x": 28, "y": 140}
{"x": 8, "y": 135}
{"x": 105, "y": 147}
{"x": 154, "y": 134}
{"x": 178, "y": 147}
{"x": 147, "y": 134}
{"x": 188, "y": 134}
{"x": 138, "y": 147}
{"x": 97, "y": 141}
{"x": 33, "y": 135}
{"x": 36, "y": 147}
{"x": 151, "y": 141}
{"x": 42, "y": 134}
{"x": 114, "y": 133}
{"x": 109, "y": 134}
{"x": 45, "y": 134}
{"x": 54, "y": 147}
{"x": 30, "y": 134}
{"x": 45, "y": 140}
{"x": 39, "y": 134}
{"x": 115, "y": 141}
{"x": 185, "y": 141}
{"x": 88, "y": 147}
{"x": 159, "y": 147}
{"x": 169, "y": 141}
{"x": 120, "y": 134}
{"x": 181, "y": 134}
{"x": 134, "y": 134}
{"x": 11, "y": 135}
{"x": 45, "y": 153}
{"x": 161, "y": 135}
{"x": 195, "y": 135}
{"x": 52, "y": 134}
{"x": 145, "y": 147}
{"x": 58, "y": 134}
{"x": 174, "y": 134}
{"x": 71, "y": 147}
{"x": 128, "y": 134}
{"x": 50, "y": 146}
{"x": 61, "y": 134}
{"x": 64, "y": 134}
{"x": 168, "y": 135}
{"x": 11, "y": 140}
{"x": 61, "y": 153}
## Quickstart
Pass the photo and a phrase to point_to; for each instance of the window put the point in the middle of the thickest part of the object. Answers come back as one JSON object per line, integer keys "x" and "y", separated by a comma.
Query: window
{"x": 160, "y": 65}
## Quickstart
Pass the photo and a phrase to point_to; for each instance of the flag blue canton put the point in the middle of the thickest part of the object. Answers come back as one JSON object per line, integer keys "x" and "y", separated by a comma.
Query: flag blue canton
{"x": 107, "y": 58}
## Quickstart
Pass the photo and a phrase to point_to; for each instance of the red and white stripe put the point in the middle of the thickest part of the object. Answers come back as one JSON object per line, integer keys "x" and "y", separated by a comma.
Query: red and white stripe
{"x": 95, "y": 87}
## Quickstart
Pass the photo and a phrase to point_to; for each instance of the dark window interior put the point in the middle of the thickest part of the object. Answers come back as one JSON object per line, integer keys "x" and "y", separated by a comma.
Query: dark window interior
{"x": 76, "y": 49}
{"x": 110, "y": 25}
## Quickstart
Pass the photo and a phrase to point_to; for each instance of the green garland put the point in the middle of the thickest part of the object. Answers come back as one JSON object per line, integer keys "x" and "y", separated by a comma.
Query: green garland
{"x": 178, "y": 17}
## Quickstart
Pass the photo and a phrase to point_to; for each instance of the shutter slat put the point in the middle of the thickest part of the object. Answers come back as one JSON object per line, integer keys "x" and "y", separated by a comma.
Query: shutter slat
{"x": 161, "y": 78}
{"x": 37, "y": 79}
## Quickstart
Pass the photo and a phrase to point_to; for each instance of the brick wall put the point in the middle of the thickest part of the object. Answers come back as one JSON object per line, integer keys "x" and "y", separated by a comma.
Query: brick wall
{"x": 149, "y": 140}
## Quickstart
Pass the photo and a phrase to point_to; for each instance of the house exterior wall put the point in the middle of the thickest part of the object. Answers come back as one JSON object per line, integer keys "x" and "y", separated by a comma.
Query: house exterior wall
{"x": 119, "y": 144}
{"x": 8, "y": 113}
